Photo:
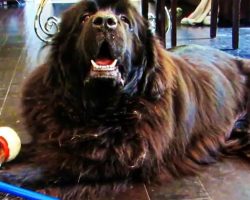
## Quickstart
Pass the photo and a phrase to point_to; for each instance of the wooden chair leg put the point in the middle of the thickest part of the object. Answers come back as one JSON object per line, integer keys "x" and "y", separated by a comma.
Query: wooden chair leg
{"x": 236, "y": 23}
{"x": 214, "y": 17}
{"x": 144, "y": 8}
{"x": 174, "y": 23}
{"x": 160, "y": 20}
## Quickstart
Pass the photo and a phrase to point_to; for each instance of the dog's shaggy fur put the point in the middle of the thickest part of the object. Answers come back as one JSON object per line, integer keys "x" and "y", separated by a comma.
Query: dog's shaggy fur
{"x": 159, "y": 112}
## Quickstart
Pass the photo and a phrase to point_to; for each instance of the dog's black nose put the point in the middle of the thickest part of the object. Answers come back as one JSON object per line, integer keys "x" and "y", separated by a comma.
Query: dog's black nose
{"x": 104, "y": 20}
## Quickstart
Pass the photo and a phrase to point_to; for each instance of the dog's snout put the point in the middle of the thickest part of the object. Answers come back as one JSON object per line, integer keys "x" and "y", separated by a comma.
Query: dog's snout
{"x": 104, "y": 20}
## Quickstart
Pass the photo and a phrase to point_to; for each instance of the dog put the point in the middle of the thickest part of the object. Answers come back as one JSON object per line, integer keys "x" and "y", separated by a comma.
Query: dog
{"x": 111, "y": 106}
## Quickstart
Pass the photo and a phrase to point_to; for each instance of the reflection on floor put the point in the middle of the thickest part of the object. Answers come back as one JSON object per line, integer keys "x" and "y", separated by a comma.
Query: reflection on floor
{"x": 20, "y": 53}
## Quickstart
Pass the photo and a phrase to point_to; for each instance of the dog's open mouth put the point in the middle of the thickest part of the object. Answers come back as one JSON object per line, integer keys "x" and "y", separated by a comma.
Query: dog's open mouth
{"x": 104, "y": 66}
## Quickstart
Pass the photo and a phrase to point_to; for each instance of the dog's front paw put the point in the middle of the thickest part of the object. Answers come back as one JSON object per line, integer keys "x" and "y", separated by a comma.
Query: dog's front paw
{"x": 239, "y": 140}
{"x": 241, "y": 128}
{"x": 21, "y": 174}
{"x": 50, "y": 191}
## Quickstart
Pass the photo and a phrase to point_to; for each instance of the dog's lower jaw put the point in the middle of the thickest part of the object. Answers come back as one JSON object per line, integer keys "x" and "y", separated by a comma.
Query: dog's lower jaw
{"x": 101, "y": 95}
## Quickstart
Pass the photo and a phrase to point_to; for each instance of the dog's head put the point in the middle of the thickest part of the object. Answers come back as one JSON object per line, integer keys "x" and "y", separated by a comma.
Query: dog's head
{"x": 108, "y": 43}
{"x": 105, "y": 48}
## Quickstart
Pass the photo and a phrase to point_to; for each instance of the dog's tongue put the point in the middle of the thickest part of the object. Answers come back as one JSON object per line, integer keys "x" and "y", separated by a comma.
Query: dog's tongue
{"x": 104, "y": 61}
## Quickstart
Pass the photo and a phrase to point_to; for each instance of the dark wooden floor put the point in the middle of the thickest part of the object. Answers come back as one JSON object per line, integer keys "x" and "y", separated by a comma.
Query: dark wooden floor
{"x": 19, "y": 54}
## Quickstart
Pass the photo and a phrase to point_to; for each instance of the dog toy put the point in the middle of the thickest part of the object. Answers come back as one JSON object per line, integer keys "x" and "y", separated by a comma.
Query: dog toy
{"x": 10, "y": 144}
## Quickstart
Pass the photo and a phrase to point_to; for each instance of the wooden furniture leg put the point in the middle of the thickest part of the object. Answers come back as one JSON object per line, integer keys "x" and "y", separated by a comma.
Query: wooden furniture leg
{"x": 174, "y": 23}
{"x": 236, "y": 23}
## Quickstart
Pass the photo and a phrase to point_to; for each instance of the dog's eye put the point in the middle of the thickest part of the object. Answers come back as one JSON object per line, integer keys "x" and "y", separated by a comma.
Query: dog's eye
{"x": 85, "y": 17}
{"x": 126, "y": 20}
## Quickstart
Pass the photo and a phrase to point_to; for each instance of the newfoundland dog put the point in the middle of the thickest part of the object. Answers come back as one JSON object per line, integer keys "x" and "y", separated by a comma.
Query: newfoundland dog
{"x": 111, "y": 106}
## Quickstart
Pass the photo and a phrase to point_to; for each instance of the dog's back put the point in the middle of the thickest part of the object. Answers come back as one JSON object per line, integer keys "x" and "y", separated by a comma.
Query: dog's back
{"x": 221, "y": 83}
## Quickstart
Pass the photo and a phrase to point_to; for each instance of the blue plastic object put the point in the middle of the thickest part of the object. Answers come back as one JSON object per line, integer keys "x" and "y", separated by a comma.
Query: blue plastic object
{"x": 24, "y": 193}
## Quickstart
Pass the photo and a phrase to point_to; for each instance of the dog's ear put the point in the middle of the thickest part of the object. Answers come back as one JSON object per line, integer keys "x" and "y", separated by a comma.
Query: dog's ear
{"x": 146, "y": 54}
{"x": 62, "y": 46}
{"x": 153, "y": 82}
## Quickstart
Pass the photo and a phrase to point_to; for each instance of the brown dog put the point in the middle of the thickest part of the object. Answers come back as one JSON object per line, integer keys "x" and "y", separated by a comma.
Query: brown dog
{"x": 111, "y": 105}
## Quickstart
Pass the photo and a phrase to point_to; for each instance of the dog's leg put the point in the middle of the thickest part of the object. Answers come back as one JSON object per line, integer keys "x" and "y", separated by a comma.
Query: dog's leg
{"x": 21, "y": 174}
{"x": 70, "y": 192}
{"x": 24, "y": 172}
{"x": 238, "y": 142}
{"x": 86, "y": 191}
{"x": 202, "y": 151}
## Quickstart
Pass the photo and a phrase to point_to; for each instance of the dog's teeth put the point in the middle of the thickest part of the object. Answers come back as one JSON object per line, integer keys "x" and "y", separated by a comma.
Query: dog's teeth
{"x": 104, "y": 67}
{"x": 94, "y": 64}
{"x": 113, "y": 65}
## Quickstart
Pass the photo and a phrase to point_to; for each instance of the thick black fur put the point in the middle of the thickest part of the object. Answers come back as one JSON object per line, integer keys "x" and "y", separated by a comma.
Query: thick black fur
{"x": 164, "y": 113}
